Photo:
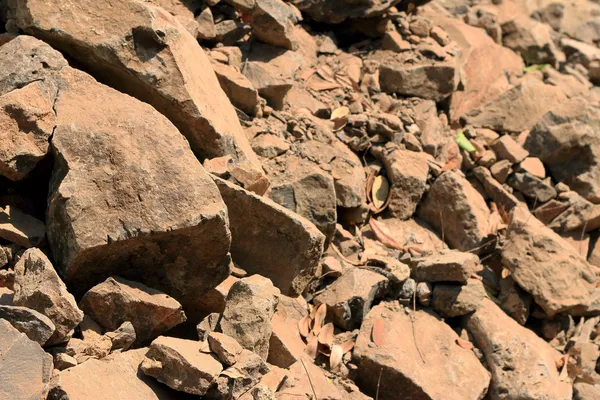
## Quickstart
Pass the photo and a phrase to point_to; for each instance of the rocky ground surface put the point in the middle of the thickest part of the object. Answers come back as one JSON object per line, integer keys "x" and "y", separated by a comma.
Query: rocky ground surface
{"x": 326, "y": 199}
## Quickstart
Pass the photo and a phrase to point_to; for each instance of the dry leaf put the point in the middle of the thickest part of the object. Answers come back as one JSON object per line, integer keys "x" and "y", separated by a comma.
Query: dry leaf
{"x": 378, "y": 332}
{"x": 319, "y": 319}
{"x": 307, "y": 74}
{"x": 304, "y": 326}
{"x": 347, "y": 346}
{"x": 383, "y": 237}
{"x": 340, "y": 113}
{"x": 312, "y": 347}
{"x": 380, "y": 191}
{"x": 233, "y": 373}
{"x": 465, "y": 344}
{"x": 325, "y": 72}
{"x": 336, "y": 357}
{"x": 369, "y": 186}
{"x": 326, "y": 335}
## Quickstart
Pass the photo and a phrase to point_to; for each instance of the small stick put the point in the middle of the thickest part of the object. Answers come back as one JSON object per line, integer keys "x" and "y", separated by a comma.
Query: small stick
{"x": 378, "y": 384}
{"x": 412, "y": 322}
{"x": 339, "y": 253}
{"x": 309, "y": 380}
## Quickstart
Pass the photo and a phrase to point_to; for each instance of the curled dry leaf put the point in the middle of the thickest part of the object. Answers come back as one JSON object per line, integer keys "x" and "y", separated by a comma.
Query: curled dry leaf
{"x": 304, "y": 326}
{"x": 383, "y": 237}
{"x": 380, "y": 191}
{"x": 465, "y": 344}
{"x": 335, "y": 360}
{"x": 348, "y": 345}
{"x": 319, "y": 319}
{"x": 326, "y": 335}
{"x": 312, "y": 347}
{"x": 378, "y": 332}
{"x": 340, "y": 113}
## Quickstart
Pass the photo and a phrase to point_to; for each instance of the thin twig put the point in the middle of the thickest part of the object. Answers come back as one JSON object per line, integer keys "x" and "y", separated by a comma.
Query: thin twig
{"x": 581, "y": 240}
{"x": 309, "y": 380}
{"x": 412, "y": 322}
{"x": 339, "y": 253}
{"x": 378, "y": 384}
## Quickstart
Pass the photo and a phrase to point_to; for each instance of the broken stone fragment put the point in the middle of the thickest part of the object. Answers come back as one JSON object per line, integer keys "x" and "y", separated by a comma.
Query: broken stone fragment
{"x": 179, "y": 83}
{"x": 25, "y": 368}
{"x": 428, "y": 365}
{"x": 38, "y": 286}
{"x": 226, "y": 348}
{"x": 273, "y": 23}
{"x": 506, "y": 148}
{"x": 250, "y": 306}
{"x": 523, "y": 365}
{"x": 514, "y": 301}
{"x": 456, "y": 300}
{"x": 237, "y": 88}
{"x": 118, "y": 300}
{"x": 349, "y": 298}
{"x": 180, "y": 364}
{"x": 214, "y": 300}
{"x": 456, "y": 210}
{"x": 20, "y": 228}
{"x": 35, "y": 325}
{"x": 242, "y": 376}
{"x": 532, "y": 186}
{"x": 499, "y": 194}
{"x": 304, "y": 375}
{"x": 530, "y": 38}
{"x": 545, "y": 265}
{"x": 64, "y": 361}
{"x": 447, "y": 266}
{"x": 269, "y": 146}
{"x": 288, "y": 255}
{"x": 270, "y": 82}
{"x": 123, "y": 337}
{"x": 286, "y": 345}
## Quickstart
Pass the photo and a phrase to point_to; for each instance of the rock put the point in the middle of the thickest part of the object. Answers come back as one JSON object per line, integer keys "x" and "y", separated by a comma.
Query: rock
{"x": 533, "y": 166}
{"x": 498, "y": 193}
{"x": 449, "y": 371}
{"x": 118, "y": 300}
{"x": 64, "y": 361}
{"x": 428, "y": 79}
{"x": 27, "y": 119}
{"x": 114, "y": 377}
{"x": 298, "y": 98}
{"x": 300, "y": 381}
{"x": 38, "y": 286}
{"x": 530, "y": 38}
{"x": 514, "y": 301}
{"x": 424, "y": 292}
{"x": 286, "y": 345}
{"x": 206, "y": 25}
{"x": 25, "y": 369}
{"x": 301, "y": 186}
{"x": 226, "y": 348}
{"x": 519, "y": 108}
{"x": 269, "y": 146}
{"x": 334, "y": 12}
{"x": 506, "y": 148}
{"x": 182, "y": 11}
{"x": 523, "y": 365}
{"x": 35, "y": 325}
{"x": 564, "y": 140}
{"x": 237, "y": 88}
{"x": 214, "y": 299}
{"x": 532, "y": 186}
{"x": 250, "y": 305}
{"x": 270, "y": 82}
{"x": 245, "y": 374}
{"x": 584, "y": 53}
{"x": 20, "y": 228}
{"x": 273, "y": 23}
{"x": 179, "y": 364}
{"x": 209, "y": 324}
{"x": 414, "y": 232}
{"x": 546, "y": 266}
{"x": 500, "y": 170}
{"x": 349, "y": 298}
{"x": 179, "y": 82}
{"x": 6, "y": 296}
{"x": 456, "y": 300}
{"x": 289, "y": 255}
{"x": 393, "y": 41}
{"x": 407, "y": 172}
{"x": 123, "y": 337}
{"x": 455, "y": 204}
{"x": 447, "y": 266}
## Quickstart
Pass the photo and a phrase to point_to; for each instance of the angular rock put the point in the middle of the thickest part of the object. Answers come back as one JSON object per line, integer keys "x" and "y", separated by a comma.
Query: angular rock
{"x": 38, "y": 286}
{"x": 514, "y": 301}
{"x": 456, "y": 300}
{"x": 245, "y": 374}
{"x": 408, "y": 172}
{"x": 530, "y": 38}
{"x": 431, "y": 80}
{"x": 25, "y": 368}
{"x": 349, "y": 298}
{"x": 493, "y": 188}
{"x": 454, "y": 204}
{"x": 286, "y": 345}
{"x": 237, "y": 88}
{"x": 123, "y": 337}
{"x": 64, "y": 361}
{"x": 534, "y": 166}
{"x": 183, "y": 11}
{"x": 225, "y": 347}
{"x": 35, "y": 325}
{"x": 546, "y": 266}
{"x": 118, "y": 300}
{"x": 506, "y": 148}
{"x": 585, "y": 391}
{"x": 288, "y": 255}
{"x": 146, "y": 53}
{"x": 214, "y": 299}
{"x": 20, "y": 228}
{"x": 114, "y": 377}
{"x": 269, "y": 146}
{"x": 449, "y": 371}
{"x": 271, "y": 83}
{"x": 532, "y": 186}
{"x": 273, "y": 23}
{"x": 299, "y": 185}
{"x": 447, "y": 266}
{"x": 250, "y": 305}
{"x": 179, "y": 364}
{"x": 523, "y": 365}
{"x": 206, "y": 25}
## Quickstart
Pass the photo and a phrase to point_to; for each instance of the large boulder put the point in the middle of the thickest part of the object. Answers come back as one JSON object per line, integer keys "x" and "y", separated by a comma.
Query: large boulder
{"x": 25, "y": 368}
{"x": 146, "y": 52}
{"x": 417, "y": 359}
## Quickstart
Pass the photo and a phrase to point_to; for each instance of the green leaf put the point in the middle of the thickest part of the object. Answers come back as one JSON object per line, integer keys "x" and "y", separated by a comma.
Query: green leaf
{"x": 535, "y": 67}
{"x": 464, "y": 143}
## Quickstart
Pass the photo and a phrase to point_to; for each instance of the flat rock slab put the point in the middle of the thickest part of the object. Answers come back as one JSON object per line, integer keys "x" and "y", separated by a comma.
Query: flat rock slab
{"x": 448, "y": 373}
{"x": 114, "y": 377}
{"x": 25, "y": 368}
{"x": 447, "y": 266}
{"x": 523, "y": 365}
{"x": 286, "y": 250}
{"x": 145, "y": 51}
{"x": 547, "y": 266}
{"x": 35, "y": 325}
{"x": 117, "y": 300}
